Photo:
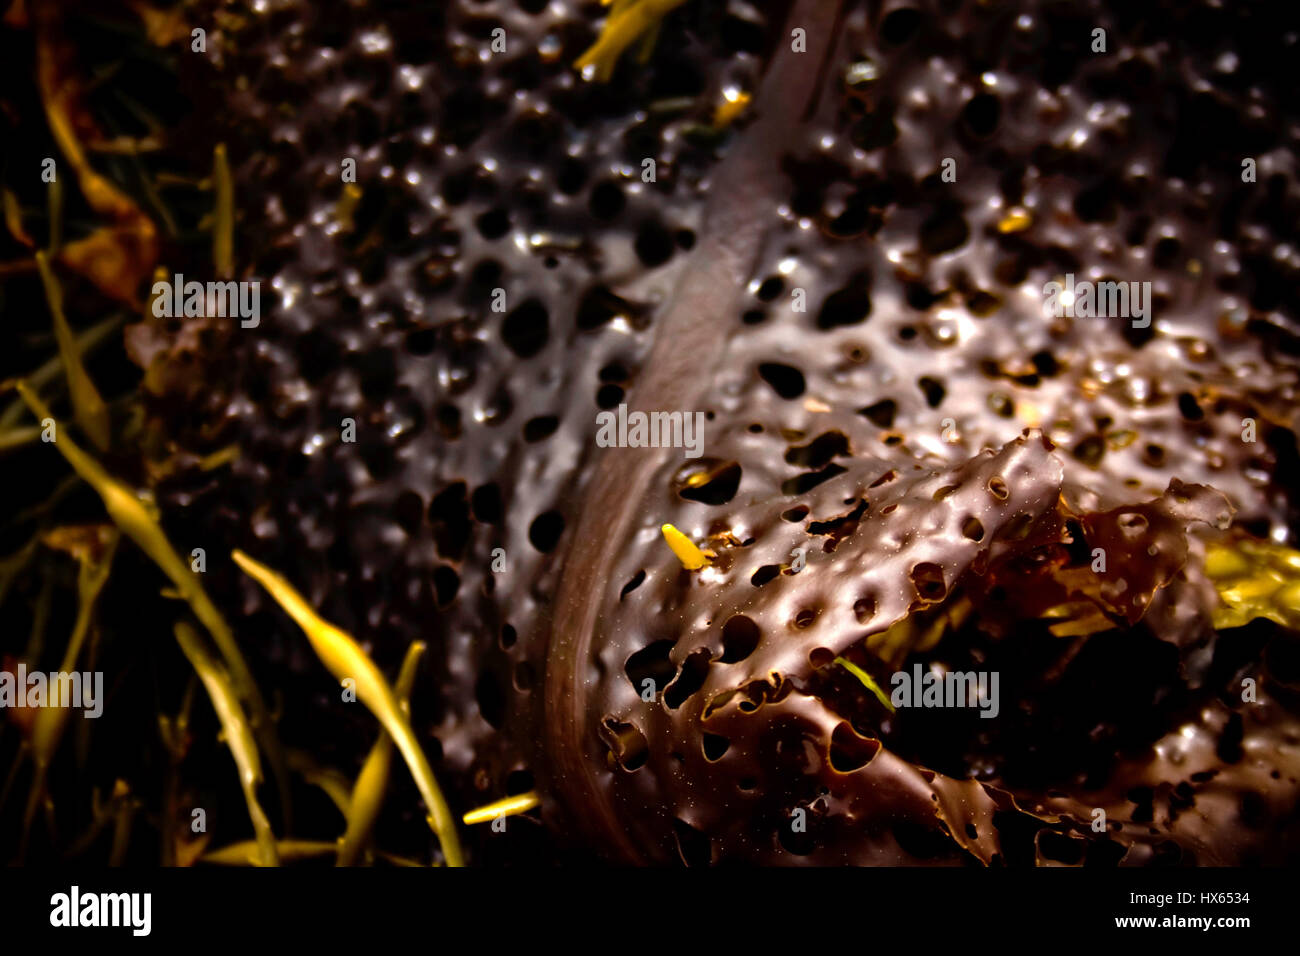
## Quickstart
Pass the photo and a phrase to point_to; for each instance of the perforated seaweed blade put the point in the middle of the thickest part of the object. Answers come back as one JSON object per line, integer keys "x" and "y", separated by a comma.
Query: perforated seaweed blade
{"x": 733, "y": 736}
{"x": 818, "y": 286}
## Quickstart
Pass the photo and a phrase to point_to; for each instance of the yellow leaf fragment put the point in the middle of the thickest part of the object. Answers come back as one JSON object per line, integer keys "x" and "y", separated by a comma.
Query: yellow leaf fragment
{"x": 111, "y": 259}
{"x": 219, "y": 458}
{"x": 346, "y": 206}
{"x": 732, "y": 105}
{"x": 1016, "y": 220}
{"x": 520, "y": 803}
{"x": 14, "y": 219}
{"x": 344, "y": 658}
{"x": 162, "y": 27}
{"x": 691, "y": 557}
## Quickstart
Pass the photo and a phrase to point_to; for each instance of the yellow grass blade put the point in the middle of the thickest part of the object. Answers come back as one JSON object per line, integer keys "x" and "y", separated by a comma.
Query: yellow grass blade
{"x": 245, "y": 853}
{"x": 223, "y": 226}
{"x": 50, "y": 371}
{"x": 867, "y": 681}
{"x": 372, "y": 782}
{"x": 331, "y": 781}
{"x": 13, "y": 215}
{"x": 521, "y": 803}
{"x": 344, "y": 658}
{"x": 624, "y": 25}
{"x": 238, "y": 736}
{"x": 95, "y": 563}
{"x": 87, "y": 405}
{"x": 141, "y": 525}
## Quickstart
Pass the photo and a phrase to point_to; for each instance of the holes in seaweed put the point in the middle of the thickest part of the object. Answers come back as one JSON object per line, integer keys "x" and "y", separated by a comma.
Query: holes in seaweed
{"x": 634, "y": 583}
{"x": 695, "y": 847}
{"x": 694, "y": 670}
{"x": 849, "y": 751}
{"x": 651, "y": 663}
{"x": 740, "y": 636}
{"x": 786, "y": 380}
{"x": 526, "y": 329}
{"x": 544, "y": 533}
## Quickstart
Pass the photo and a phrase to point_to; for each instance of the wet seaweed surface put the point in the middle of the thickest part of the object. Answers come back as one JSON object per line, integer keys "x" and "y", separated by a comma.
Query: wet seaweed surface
{"x": 827, "y": 227}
